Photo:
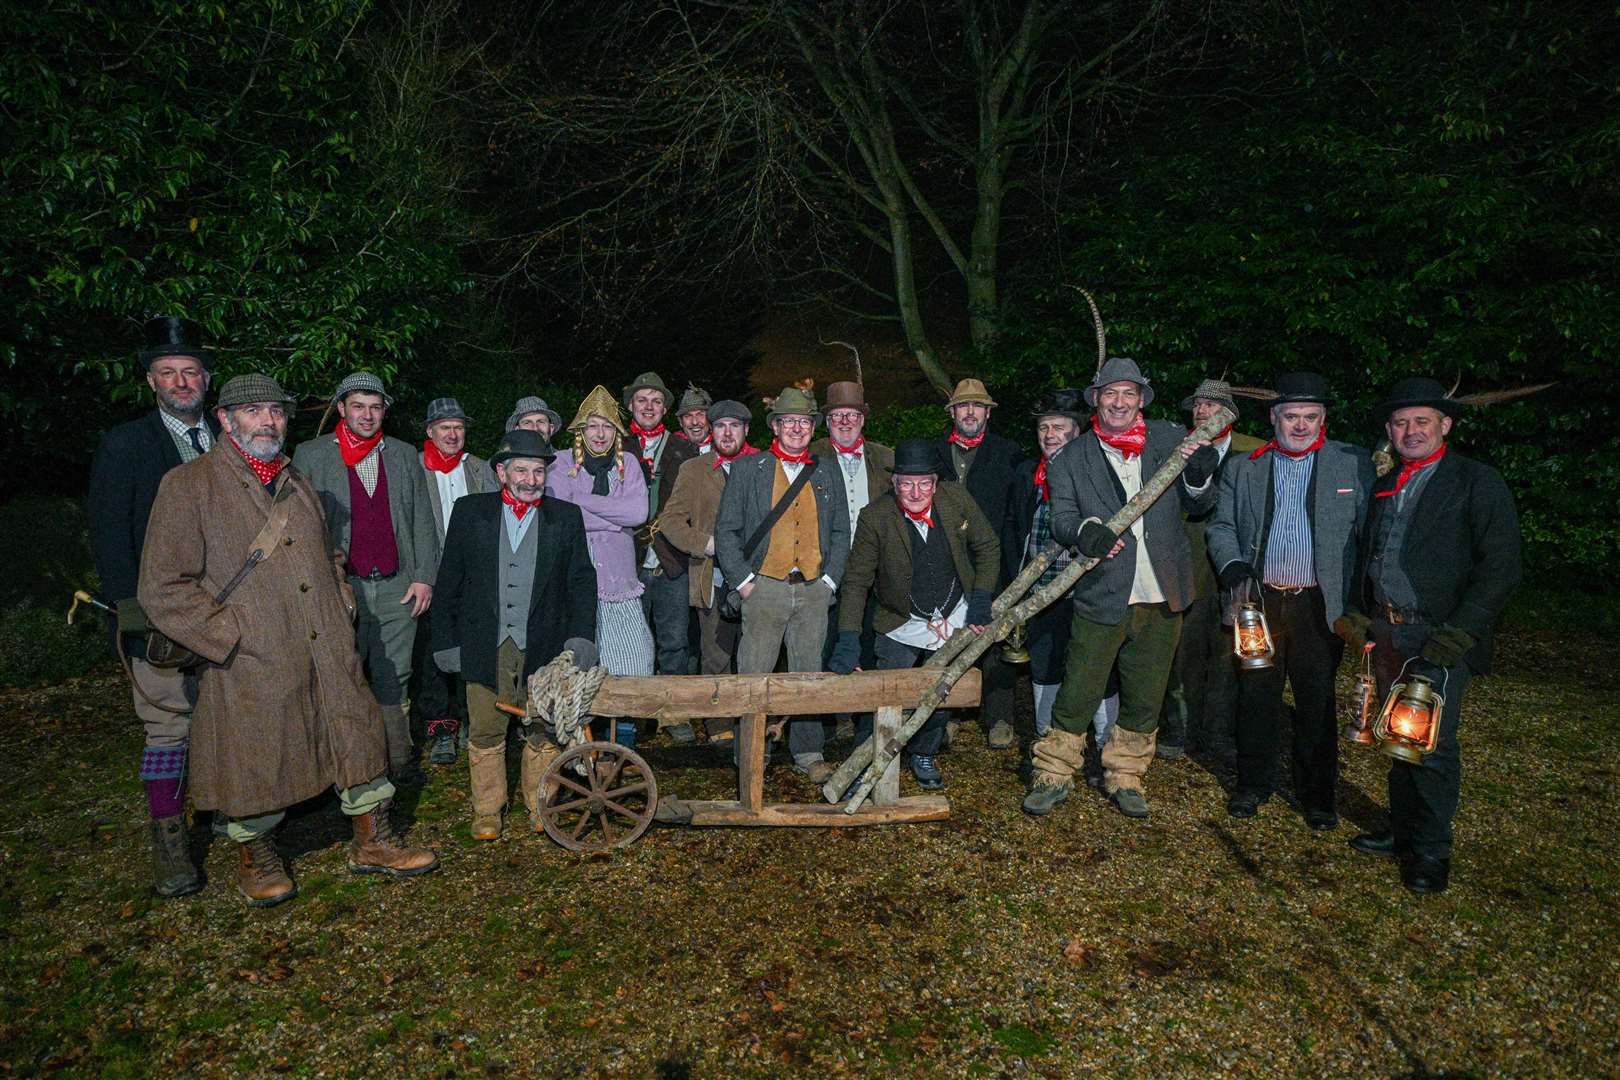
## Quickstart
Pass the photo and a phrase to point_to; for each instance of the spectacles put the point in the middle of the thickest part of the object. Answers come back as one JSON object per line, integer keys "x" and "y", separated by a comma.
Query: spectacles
{"x": 796, "y": 421}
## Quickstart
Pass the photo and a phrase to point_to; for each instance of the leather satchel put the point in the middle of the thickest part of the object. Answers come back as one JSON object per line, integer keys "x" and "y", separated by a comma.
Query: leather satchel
{"x": 730, "y": 603}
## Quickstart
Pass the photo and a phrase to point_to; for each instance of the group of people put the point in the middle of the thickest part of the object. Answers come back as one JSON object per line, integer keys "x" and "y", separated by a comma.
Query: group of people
{"x": 396, "y": 576}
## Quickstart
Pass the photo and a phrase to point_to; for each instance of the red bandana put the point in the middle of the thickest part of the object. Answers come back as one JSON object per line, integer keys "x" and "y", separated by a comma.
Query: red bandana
{"x": 963, "y": 441}
{"x": 860, "y": 441}
{"x": 720, "y": 459}
{"x": 1130, "y": 443}
{"x": 519, "y": 507}
{"x": 646, "y": 433}
{"x": 1321, "y": 437}
{"x": 353, "y": 448}
{"x": 266, "y": 471}
{"x": 1040, "y": 480}
{"x": 798, "y": 459}
{"x": 434, "y": 459}
{"x": 926, "y": 517}
{"x": 1410, "y": 469}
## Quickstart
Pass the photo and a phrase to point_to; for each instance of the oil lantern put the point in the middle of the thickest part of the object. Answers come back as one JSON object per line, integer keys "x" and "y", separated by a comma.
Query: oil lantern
{"x": 1363, "y": 703}
{"x": 1251, "y": 640}
{"x": 1409, "y": 724}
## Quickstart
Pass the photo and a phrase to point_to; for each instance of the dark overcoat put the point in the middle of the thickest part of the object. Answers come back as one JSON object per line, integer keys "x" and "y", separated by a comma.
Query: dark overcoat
{"x": 990, "y": 480}
{"x": 466, "y": 601}
{"x": 283, "y": 711}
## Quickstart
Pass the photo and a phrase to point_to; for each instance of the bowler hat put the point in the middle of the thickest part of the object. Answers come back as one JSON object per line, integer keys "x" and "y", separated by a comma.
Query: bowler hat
{"x": 169, "y": 335}
{"x": 1218, "y": 390}
{"x": 523, "y": 443}
{"x": 726, "y": 409}
{"x": 970, "y": 392}
{"x": 1414, "y": 393}
{"x": 917, "y": 457}
{"x": 794, "y": 402}
{"x": 1062, "y": 402}
{"x": 531, "y": 404}
{"x": 1119, "y": 369}
{"x": 1302, "y": 387}
{"x": 364, "y": 382}
{"x": 445, "y": 408}
{"x": 649, "y": 380}
{"x": 251, "y": 389}
{"x": 847, "y": 395}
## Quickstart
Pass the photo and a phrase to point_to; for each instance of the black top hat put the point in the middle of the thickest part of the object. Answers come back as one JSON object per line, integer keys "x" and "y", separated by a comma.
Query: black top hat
{"x": 170, "y": 335}
{"x": 521, "y": 442}
{"x": 1062, "y": 402}
{"x": 1416, "y": 392}
{"x": 1306, "y": 387}
{"x": 918, "y": 457}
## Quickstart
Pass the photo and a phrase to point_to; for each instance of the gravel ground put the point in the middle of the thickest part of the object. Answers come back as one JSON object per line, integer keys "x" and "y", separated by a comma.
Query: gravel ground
{"x": 987, "y": 945}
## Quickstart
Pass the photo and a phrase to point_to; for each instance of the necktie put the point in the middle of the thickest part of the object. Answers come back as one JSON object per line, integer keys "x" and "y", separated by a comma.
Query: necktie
{"x": 196, "y": 439}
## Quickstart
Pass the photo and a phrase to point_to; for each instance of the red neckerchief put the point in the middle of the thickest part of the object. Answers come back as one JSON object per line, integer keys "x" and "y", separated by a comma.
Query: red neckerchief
{"x": 434, "y": 458}
{"x": 1040, "y": 480}
{"x": 860, "y": 441}
{"x": 519, "y": 507}
{"x": 1321, "y": 437}
{"x": 720, "y": 459}
{"x": 353, "y": 448}
{"x": 1218, "y": 436}
{"x": 646, "y": 433}
{"x": 1130, "y": 442}
{"x": 964, "y": 442}
{"x": 926, "y": 516}
{"x": 1410, "y": 469}
{"x": 266, "y": 471}
{"x": 783, "y": 455}
{"x": 705, "y": 441}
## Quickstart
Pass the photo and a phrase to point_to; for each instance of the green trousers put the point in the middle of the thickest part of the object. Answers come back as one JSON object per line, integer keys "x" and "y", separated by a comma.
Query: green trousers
{"x": 357, "y": 800}
{"x": 1143, "y": 644}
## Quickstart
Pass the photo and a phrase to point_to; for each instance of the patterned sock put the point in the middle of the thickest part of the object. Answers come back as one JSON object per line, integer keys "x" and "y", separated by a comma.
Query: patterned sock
{"x": 163, "y": 768}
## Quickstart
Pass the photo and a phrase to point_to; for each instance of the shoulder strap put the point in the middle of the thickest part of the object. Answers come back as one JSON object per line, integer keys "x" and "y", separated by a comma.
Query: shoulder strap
{"x": 780, "y": 508}
{"x": 269, "y": 536}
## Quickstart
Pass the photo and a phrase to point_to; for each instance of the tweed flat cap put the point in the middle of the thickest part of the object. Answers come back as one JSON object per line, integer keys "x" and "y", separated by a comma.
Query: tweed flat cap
{"x": 446, "y": 408}
{"x": 363, "y": 381}
{"x": 726, "y": 409}
{"x": 532, "y": 404}
{"x": 250, "y": 389}
{"x": 1212, "y": 390}
{"x": 1119, "y": 369}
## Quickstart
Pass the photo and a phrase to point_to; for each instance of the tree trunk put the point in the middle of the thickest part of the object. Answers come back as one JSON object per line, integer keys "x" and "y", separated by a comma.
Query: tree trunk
{"x": 983, "y": 302}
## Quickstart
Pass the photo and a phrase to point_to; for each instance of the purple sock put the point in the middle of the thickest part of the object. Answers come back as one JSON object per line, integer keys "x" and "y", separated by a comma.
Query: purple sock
{"x": 166, "y": 798}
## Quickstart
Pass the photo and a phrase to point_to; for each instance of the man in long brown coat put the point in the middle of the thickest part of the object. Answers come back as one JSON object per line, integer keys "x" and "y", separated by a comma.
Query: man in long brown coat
{"x": 283, "y": 711}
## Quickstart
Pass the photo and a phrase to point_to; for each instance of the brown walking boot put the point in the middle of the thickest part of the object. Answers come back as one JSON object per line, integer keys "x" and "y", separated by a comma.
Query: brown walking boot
{"x": 535, "y": 794}
{"x": 260, "y": 875}
{"x": 488, "y": 769}
{"x": 376, "y": 847}
{"x": 172, "y": 872}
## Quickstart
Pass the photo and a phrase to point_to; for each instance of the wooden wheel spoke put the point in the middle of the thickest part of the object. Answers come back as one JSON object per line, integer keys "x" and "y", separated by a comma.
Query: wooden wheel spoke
{"x": 571, "y": 786}
{"x": 579, "y": 829}
{"x": 607, "y": 780}
{"x": 619, "y": 793}
{"x": 623, "y": 811}
{"x": 607, "y": 829}
{"x": 563, "y": 808}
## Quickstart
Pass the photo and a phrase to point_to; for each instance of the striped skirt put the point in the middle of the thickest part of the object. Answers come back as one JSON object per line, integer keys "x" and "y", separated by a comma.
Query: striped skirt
{"x": 622, "y": 638}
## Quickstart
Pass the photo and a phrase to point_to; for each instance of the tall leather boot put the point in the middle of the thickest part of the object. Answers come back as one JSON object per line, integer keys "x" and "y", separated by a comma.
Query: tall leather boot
{"x": 260, "y": 874}
{"x": 535, "y": 763}
{"x": 488, "y": 770}
{"x": 172, "y": 871}
{"x": 377, "y": 849}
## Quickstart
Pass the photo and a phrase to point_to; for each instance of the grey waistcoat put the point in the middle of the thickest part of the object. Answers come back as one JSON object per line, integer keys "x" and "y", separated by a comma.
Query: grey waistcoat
{"x": 517, "y": 584}
{"x": 1390, "y": 583}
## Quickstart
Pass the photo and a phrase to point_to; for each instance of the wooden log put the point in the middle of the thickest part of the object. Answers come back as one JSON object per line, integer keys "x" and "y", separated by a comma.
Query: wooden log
{"x": 751, "y": 761}
{"x": 885, "y": 725}
{"x": 797, "y": 693}
{"x": 912, "y": 808}
{"x": 1156, "y": 486}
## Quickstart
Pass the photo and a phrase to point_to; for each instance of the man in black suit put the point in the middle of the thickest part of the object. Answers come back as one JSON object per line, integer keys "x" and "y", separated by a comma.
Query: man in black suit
{"x": 129, "y": 464}
{"x": 985, "y": 463}
{"x": 515, "y": 583}
{"x": 1440, "y": 560}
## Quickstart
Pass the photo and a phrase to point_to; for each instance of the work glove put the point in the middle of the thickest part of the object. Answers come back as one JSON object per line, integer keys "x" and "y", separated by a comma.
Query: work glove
{"x": 1236, "y": 572}
{"x": 1352, "y": 627}
{"x": 846, "y": 655}
{"x": 1096, "y": 540}
{"x": 978, "y": 612}
{"x": 1447, "y": 645}
{"x": 1201, "y": 466}
{"x": 131, "y": 619}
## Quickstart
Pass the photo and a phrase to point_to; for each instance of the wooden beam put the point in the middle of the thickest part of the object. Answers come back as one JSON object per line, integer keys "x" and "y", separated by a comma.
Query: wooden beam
{"x": 886, "y": 725}
{"x": 798, "y": 693}
{"x": 750, "y": 761}
{"x": 913, "y": 808}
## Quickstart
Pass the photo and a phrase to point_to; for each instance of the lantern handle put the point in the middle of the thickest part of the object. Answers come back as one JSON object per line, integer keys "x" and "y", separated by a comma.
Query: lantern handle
{"x": 1445, "y": 676}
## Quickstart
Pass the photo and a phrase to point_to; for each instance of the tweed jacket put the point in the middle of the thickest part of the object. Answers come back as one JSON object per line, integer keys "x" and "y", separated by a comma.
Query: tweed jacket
{"x": 130, "y": 463}
{"x": 1341, "y": 483}
{"x": 1198, "y": 524}
{"x": 480, "y": 478}
{"x": 1461, "y": 551}
{"x": 879, "y": 460}
{"x": 880, "y": 561}
{"x": 1084, "y": 485}
{"x": 466, "y": 602}
{"x": 990, "y": 480}
{"x": 747, "y": 502}
{"x": 688, "y": 521}
{"x": 283, "y": 710}
{"x": 675, "y": 451}
{"x": 416, "y": 533}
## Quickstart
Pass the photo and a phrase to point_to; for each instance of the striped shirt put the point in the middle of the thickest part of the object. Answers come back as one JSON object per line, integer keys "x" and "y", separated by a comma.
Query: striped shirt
{"x": 1290, "y": 559}
{"x": 181, "y": 434}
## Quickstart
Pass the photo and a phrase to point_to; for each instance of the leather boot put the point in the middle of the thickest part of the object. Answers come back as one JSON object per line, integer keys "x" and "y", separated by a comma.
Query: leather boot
{"x": 535, "y": 763}
{"x": 376, "y": 847}
{"x": 172, "y": 871}
{"x": 488, "y": 769}
{"x": 260, "y": 874}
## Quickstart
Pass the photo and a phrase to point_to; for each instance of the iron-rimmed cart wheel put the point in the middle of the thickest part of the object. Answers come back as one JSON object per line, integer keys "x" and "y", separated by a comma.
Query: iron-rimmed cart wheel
{"x": 611, "y": 805}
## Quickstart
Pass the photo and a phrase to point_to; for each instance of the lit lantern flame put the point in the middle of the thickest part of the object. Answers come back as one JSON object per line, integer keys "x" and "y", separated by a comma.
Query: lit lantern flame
{"x": 1251, "y": 639}
{"x": 1409, "y": 724}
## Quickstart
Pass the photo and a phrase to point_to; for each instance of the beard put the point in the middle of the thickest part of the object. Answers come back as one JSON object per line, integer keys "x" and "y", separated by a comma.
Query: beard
{"x": 262, "y": 445}
{"x": 185, "y": 404}
{"x": 969, "y": 426}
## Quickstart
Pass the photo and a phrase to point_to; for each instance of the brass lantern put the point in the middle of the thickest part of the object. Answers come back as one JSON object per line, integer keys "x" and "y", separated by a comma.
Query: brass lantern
{"x": 1363, "y": 703}
{"x": 1015, "y": 650}
{"x": 1251, "y": 639}
{"x": 1409, "y": 724}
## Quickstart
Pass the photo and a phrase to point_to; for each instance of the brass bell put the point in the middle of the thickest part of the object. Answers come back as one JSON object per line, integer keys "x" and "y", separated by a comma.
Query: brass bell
{"x": 1015, "y": 650}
